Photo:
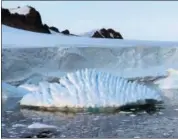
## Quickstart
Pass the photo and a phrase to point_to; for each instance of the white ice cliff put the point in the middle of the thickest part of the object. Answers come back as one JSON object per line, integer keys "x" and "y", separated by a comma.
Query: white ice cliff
{"x": 51, "y": 54}
{"x": 90, "y": 88}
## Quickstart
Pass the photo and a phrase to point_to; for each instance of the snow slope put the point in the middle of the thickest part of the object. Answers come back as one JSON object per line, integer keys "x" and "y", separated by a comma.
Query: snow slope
{"x": 90, "y": 88}
{"x": 55, "y": 33}
{"x": 41, "y": 40}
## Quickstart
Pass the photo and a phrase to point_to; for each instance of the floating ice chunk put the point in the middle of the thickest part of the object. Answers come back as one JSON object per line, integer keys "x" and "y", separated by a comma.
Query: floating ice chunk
{"x": 90, "y": 88}
{"x": 39, "y": 126}
{"x": 18, "y": 125}
{"x": 12, "y": 91}
{"x": 11, "y": 95}
{"x": 171, "y": 82}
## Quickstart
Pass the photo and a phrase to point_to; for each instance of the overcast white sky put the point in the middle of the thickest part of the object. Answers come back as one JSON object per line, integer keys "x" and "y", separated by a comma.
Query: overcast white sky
{"x": 149, "y": 20}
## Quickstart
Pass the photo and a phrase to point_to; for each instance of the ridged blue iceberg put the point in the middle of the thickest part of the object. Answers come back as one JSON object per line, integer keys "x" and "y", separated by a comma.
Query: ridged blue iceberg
{"x": 90, "y": 88}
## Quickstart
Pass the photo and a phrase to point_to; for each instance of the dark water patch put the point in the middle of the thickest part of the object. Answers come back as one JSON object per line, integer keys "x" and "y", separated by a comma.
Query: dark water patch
{"x": 41, "y": 134}
{"x": 151, "y": 106}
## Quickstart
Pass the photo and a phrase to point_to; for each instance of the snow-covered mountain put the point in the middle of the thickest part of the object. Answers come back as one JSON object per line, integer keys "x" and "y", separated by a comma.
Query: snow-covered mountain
{"x": 28, "y": 18}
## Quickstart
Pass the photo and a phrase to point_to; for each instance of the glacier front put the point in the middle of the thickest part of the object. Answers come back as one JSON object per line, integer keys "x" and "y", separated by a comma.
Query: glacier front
{"x": 89, "y": 88}
{"x": 56, "y": 54}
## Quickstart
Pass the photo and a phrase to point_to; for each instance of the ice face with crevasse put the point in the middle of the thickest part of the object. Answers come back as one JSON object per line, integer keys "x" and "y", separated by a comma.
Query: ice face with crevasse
{"x": 90, "y": 88}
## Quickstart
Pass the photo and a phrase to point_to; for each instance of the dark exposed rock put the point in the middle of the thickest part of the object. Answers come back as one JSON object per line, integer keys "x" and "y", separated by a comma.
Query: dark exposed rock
{"x": 34, "y": 17}
{"x": 31, "y": 21}
{"x": 97, "y": 35}
{"x": 115, "y": 34}
{"x": 4, "y": 14}
{"x": 54, "y": 29}
{"x": 107, "y": 33}
{"x": 46, "y": 27}
{"x": 66, "y": 32}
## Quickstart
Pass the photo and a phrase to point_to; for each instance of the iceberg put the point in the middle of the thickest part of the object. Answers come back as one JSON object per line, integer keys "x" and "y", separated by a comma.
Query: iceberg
{"x": 89, "y": 88}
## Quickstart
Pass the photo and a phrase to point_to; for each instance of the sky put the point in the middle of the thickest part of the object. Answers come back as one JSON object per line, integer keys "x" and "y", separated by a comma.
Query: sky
{"x": 141, "y": 20}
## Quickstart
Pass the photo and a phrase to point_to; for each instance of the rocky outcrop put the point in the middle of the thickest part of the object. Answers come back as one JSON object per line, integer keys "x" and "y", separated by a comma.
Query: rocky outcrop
{"x": 66, "y": 32}
{"x": 30, "y": 21}
{"x": 54, "y": 29}
{"x": 107, "y": 33}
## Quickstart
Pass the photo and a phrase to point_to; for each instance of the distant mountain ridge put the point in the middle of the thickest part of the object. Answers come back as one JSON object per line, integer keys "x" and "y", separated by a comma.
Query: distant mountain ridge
{"x": 28, "y": 18}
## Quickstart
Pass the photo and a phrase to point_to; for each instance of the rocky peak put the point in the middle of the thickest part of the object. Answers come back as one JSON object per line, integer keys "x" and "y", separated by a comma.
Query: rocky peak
{"x": 107, "y": 33}
{"x": 26, "y": 18}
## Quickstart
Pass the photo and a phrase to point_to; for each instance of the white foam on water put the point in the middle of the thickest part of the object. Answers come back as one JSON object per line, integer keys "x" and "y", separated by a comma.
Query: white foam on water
{"x": 18, "y": 125}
